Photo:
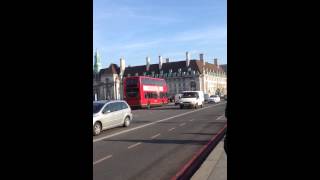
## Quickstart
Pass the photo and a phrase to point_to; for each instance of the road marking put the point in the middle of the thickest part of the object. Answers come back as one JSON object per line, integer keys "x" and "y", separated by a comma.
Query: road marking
{"x": 155, "y": 136}
{"x": 220, "y": 117}
{"x": 191, "y": 120}
{"x": 105, "y": 158}
{"x": 182, "y": 124}
{"x": 134, "y": 145}
{"x": 145, "y": 125}
{"x": 171, "y": 129}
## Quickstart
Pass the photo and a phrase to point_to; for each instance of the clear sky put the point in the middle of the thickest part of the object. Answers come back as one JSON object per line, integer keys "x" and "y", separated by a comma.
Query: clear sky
{"x": 134, "y": 29}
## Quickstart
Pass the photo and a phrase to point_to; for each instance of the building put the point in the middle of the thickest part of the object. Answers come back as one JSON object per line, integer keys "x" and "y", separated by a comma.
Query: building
{"x": 189, "y": 74}
{"x": 224, "y": 67}
{"x": 107, "y": 82}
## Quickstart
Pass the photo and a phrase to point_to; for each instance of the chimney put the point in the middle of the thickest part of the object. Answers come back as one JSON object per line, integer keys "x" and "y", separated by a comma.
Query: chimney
{"x": 202, "y": 60}
{"x": 122, "y": 65}
{"x": 160, "y": 62}
{"x": 147, "y": 63}
{"x": 201, "y": 57}
{"x": 216, "y": 62}
{"x": 167, "y": 60}
{"x": 187, "y": 59}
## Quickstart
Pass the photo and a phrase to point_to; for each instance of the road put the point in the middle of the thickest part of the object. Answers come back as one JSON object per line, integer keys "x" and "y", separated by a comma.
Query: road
{"x": 157, "y": 143}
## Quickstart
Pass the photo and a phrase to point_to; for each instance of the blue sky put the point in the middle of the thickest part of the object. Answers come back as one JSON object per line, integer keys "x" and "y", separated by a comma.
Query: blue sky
{"x": 134, "y": 29}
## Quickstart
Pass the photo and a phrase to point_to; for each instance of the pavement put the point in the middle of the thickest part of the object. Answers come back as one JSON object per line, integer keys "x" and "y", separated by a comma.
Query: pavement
{"x": 215, "y": 166}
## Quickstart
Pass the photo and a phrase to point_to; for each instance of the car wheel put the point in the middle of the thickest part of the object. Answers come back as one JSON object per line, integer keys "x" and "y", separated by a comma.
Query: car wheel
{"x": 126, "y": 122}
{"x": 196, "y": 106}
{"x": 201, "y": 106}
{"x": 97, "y": 128}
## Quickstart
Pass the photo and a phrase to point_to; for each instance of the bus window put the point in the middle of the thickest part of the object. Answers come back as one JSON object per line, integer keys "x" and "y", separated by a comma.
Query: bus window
{"x": 132, "y": 92}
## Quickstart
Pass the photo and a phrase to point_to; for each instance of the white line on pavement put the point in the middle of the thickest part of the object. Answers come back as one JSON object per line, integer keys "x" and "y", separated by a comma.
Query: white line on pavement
{"x": 155, "y": 136}
{"x": 220, "y": 117}
{"x": 145, "y": 125}
{"x": 182, "y": 124}
{"x": 191, "y": 120}
{"x": 171, "y": 129}
{"x": 105, "y": 158}
{"x": 134, "y": 145}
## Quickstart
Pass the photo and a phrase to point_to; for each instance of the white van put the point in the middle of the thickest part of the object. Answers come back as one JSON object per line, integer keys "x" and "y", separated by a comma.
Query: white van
{"x": 193, "y": 99}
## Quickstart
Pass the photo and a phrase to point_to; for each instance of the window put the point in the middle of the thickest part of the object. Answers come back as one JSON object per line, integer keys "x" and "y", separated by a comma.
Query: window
{"x": 130, "y": 82}
{"x": 112, "y": 107}
{"x": 118, "y": 106}
{"x": 154, "y": 95}
{"x": 107, "y": 108}
{"x": 97, "y": 107}
{"x": 189, "y": 95}
{"x": 123, "y": 105}
{"x": 163, "y": 95}
{"x": 151, "y": 95}
{"x": 132, "y": 92}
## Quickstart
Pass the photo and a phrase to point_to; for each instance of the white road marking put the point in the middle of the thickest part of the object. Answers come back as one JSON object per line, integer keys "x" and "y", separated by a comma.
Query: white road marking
{"x": 155, "y": 136}
{"x": 171, "y": 129}
{"x": 134, "y": 145}
{"x": 191, "y": 120}
{"x": 182, "y": 124}
{"x": 145, "y": 125}
{"x": 220, "y": 117}
{"x": 100, "y": 160}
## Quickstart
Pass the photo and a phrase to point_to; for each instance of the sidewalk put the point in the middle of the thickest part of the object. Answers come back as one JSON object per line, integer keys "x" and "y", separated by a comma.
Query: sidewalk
{"x": 215, "y": 166}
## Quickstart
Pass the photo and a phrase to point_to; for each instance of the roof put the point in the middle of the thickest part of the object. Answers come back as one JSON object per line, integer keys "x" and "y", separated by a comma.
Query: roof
{"x": 196, "y": 65}
{"x": 224, "y": 67}
{"x": 112, "y": 69}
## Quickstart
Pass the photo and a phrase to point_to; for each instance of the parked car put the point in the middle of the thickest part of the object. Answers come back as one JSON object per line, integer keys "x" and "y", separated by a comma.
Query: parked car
{"x": 192, "y": 99}
{"x": 214, "y": 99}
{"x": 108, "y": 114}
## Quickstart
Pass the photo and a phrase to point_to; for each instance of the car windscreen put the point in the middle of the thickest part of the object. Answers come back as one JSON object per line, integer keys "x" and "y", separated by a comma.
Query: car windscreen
{"x": 189, "y": 95}
{"x": 97, "y": 107}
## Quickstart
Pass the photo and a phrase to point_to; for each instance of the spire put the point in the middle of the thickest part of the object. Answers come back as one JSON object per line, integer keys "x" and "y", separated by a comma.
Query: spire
{"x": 97, "y": 62}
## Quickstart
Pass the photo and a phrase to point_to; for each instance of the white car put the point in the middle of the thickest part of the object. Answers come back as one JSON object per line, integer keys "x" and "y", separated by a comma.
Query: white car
{"x": 109, "y": 114}
{"x": 214, "y": 99}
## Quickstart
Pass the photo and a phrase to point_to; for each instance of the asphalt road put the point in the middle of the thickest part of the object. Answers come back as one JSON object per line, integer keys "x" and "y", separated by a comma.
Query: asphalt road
{"x": 157, "y": 143}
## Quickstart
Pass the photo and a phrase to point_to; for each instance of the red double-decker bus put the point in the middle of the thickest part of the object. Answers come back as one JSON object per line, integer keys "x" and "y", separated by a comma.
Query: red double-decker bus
{"x": 143, "y": 91}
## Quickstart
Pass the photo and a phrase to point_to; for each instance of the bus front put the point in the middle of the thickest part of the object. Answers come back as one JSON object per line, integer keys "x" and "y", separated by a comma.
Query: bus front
{"x": 131, "y": 90}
